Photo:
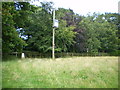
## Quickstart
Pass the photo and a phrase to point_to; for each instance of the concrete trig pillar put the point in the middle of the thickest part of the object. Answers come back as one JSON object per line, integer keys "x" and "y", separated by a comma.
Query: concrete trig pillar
{"x": 23, "y": 55}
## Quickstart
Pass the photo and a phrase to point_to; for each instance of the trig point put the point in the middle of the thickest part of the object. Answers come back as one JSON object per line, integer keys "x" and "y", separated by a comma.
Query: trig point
{"x": 23, "y": 55}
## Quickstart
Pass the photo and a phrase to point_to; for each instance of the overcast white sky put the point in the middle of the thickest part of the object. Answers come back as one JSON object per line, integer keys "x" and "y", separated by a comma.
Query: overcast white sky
{"x": 83, "y": 7}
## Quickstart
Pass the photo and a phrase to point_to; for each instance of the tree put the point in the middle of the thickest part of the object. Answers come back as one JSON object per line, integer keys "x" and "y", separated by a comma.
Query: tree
{"x": 91, "y": 43}
{"x": 70, "y": 20}
{"x": 39, "y": 31}
{"x": 10, "y": 39}
{"x": 14, "y": 17}
{"x": 100, "y": 33}
{"x": 65, "y": 34}
{"x": 110, "y": 24}
{"x": 114, "y": 19}
{"x": 64, "y": 37}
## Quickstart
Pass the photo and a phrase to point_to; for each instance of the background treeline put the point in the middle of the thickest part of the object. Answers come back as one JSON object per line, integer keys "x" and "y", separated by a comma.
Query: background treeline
{"x": 26, "y": 27}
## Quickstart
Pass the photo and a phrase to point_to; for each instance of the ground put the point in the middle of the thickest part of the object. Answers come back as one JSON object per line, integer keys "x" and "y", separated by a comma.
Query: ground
{"x": 72, "y": 72}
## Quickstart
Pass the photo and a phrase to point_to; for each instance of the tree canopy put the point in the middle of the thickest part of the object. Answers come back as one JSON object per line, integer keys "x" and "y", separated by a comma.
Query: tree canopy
{"x": 29, "y": 27}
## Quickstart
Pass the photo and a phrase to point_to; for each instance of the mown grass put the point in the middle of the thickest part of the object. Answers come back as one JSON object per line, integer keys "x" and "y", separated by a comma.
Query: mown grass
{"x": 75, "y": 72}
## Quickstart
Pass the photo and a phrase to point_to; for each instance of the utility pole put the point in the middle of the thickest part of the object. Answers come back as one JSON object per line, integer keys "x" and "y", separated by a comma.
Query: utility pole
{"x": 53, "y": 39}
{"x": 55, "y": 25}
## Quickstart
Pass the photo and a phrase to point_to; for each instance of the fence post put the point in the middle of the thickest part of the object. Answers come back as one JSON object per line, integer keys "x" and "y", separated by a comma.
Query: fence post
{"x": 16, "y": 54}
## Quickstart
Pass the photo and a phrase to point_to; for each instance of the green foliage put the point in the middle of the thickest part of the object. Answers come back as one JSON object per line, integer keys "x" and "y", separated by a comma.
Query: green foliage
{"x": 39, "y": 31}
{"x": 95, "y": 33}
{"x": 10, "y": 38}
{"x": 100, "y": 34}
{"x": 115, "y": 53}
{"x": 64, "y": 36}
{"x": 23, "y": 11}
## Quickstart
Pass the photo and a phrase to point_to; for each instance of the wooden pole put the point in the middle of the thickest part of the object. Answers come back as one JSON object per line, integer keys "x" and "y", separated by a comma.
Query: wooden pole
{"x": 53, "y": 41}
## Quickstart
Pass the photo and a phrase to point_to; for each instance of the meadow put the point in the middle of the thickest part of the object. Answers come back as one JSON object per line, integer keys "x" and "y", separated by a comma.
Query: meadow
{"x": 72, "y": 72}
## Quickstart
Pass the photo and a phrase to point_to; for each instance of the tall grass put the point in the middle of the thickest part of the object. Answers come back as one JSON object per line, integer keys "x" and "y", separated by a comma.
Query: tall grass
{"x": 75, "y": 72}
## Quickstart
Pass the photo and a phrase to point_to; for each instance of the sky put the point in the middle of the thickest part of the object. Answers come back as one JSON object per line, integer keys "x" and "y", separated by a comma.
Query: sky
{"x": 83, "y": 7}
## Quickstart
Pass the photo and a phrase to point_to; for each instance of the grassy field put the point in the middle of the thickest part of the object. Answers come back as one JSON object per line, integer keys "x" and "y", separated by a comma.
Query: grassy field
{"x": 75, "y": 72}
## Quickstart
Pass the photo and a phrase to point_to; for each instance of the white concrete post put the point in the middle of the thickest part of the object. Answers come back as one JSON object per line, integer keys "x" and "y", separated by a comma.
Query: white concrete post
{"x": 23, "y": 55}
